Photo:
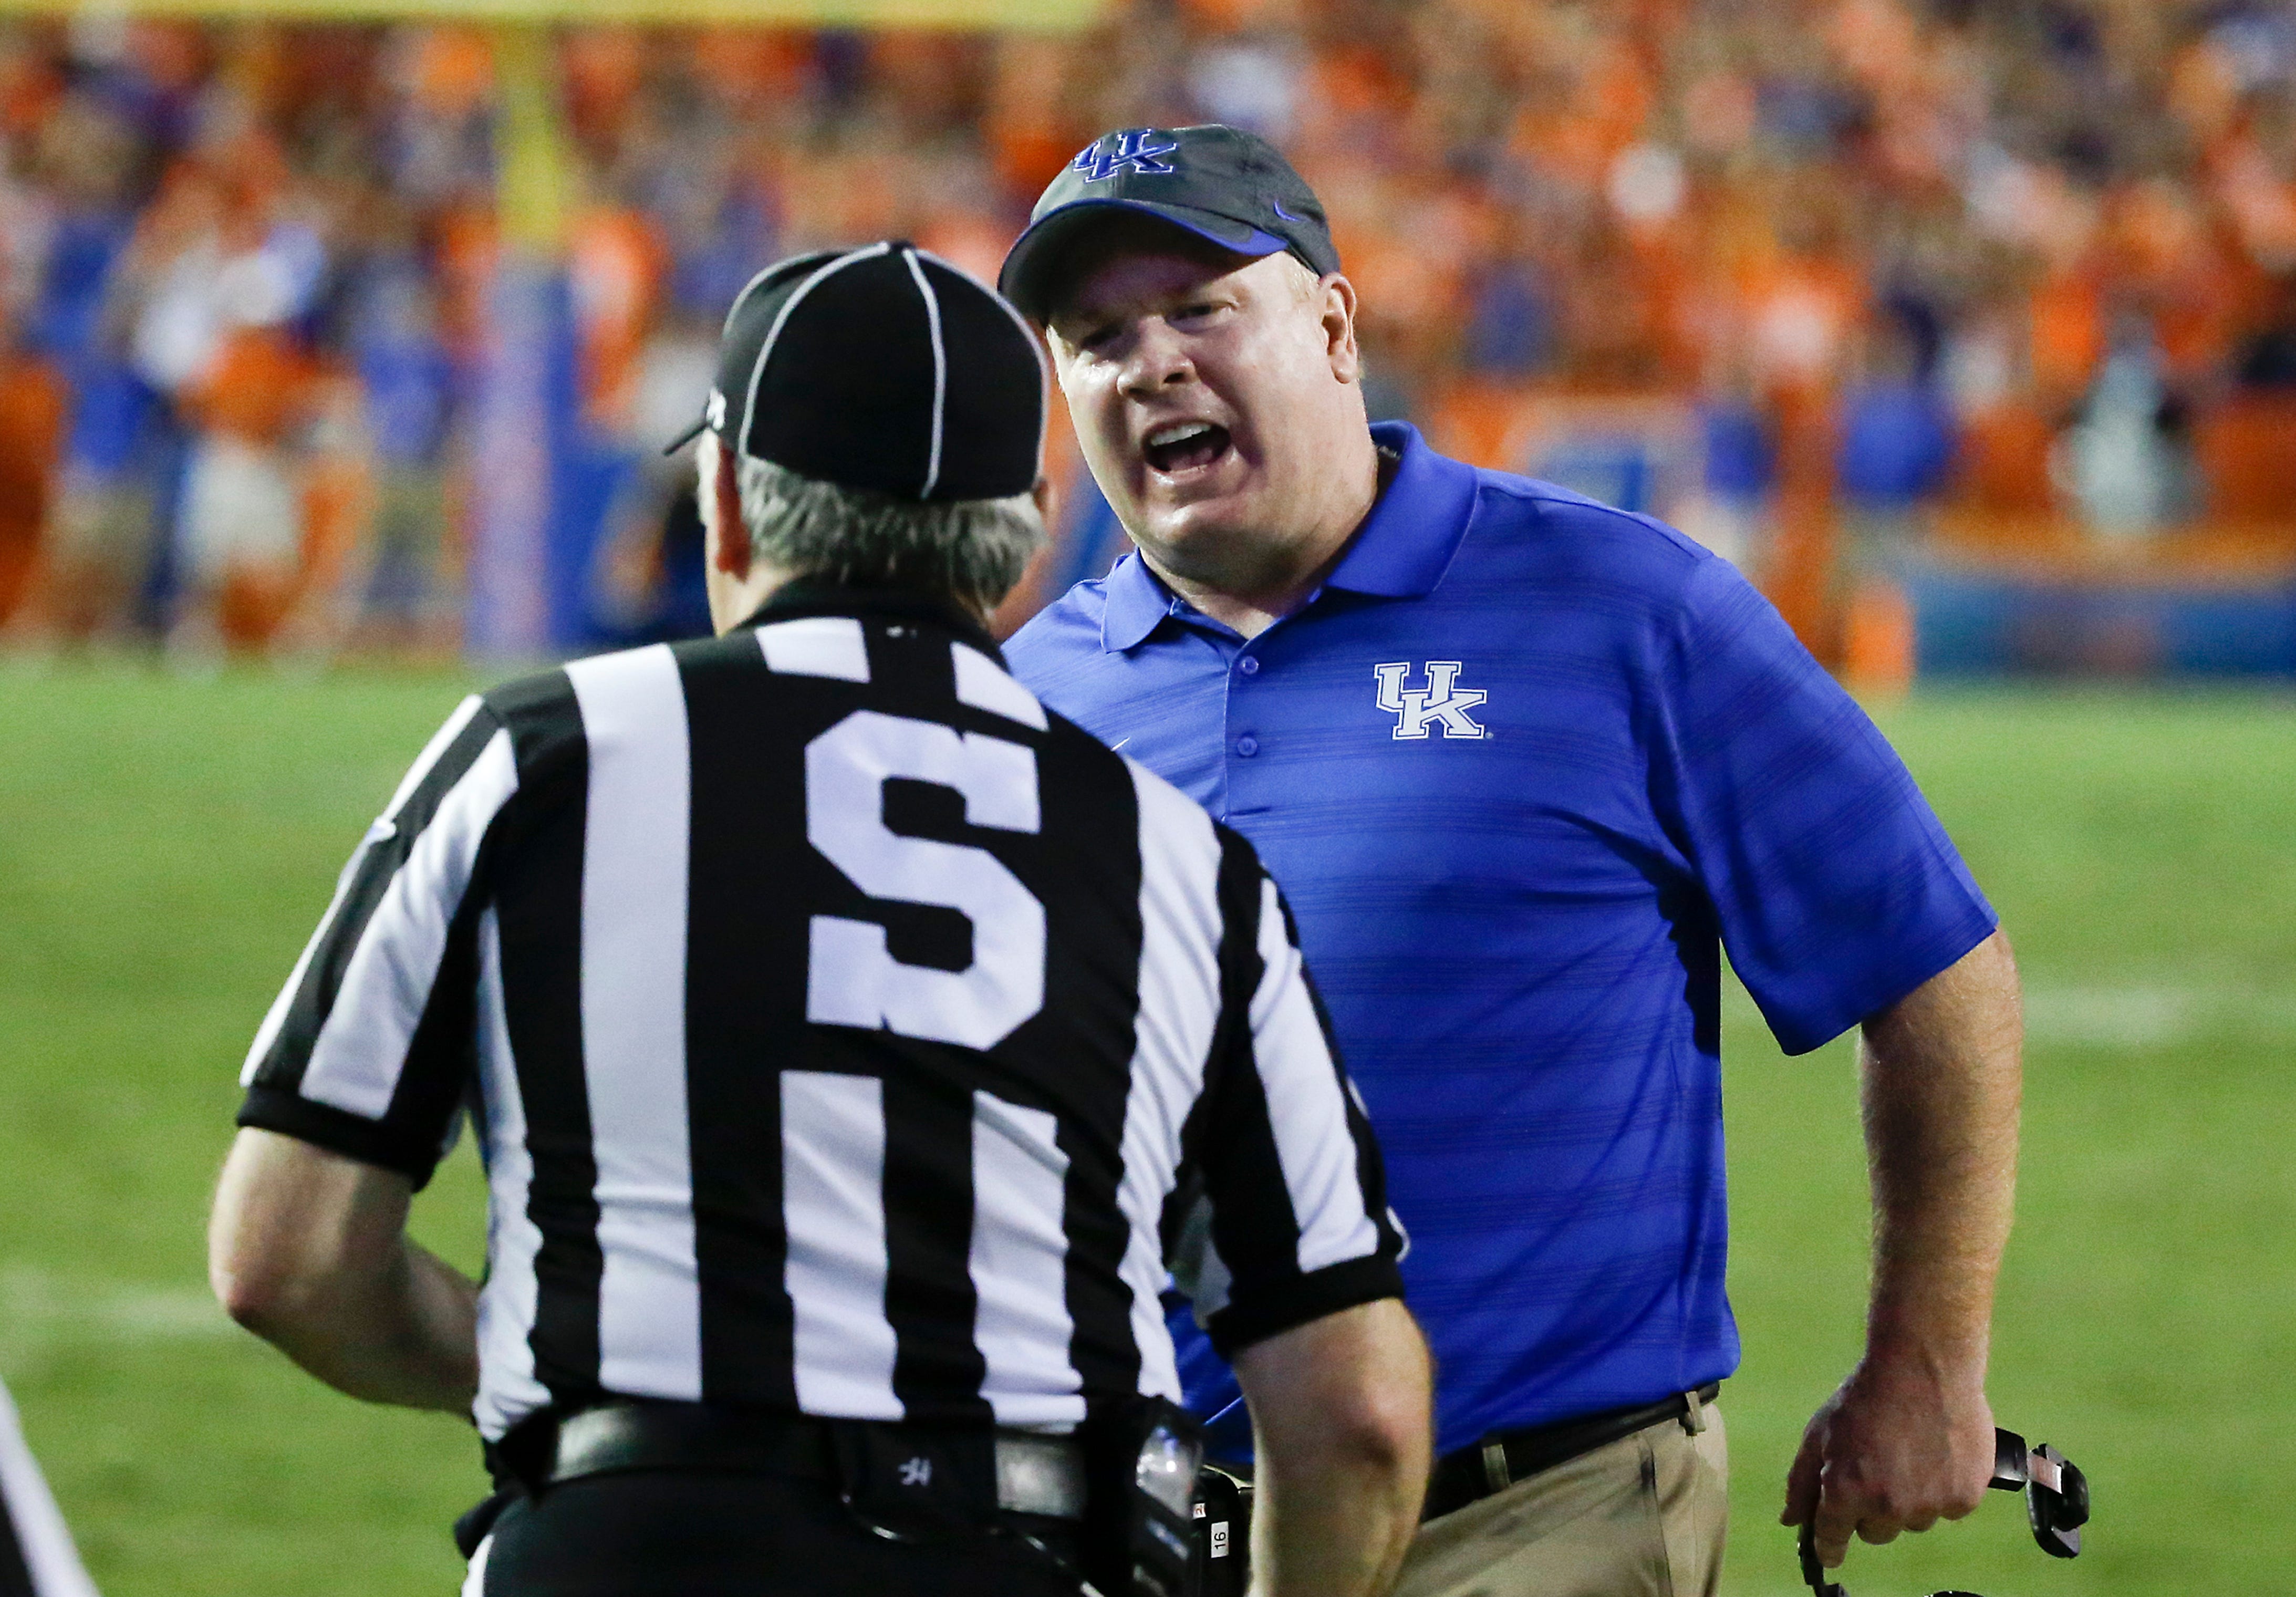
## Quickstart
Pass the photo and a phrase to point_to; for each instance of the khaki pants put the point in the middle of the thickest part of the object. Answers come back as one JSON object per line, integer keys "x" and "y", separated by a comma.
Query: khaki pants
{"x": 1643, "y": 1517}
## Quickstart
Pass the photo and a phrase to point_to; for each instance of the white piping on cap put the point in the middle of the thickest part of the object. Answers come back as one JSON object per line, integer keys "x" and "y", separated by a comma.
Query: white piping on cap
{"x": 741, "y": 299}
{"x": 766, "y": 350}
{"x": 1036, "y": 347}
{"x": 940, "y": 371}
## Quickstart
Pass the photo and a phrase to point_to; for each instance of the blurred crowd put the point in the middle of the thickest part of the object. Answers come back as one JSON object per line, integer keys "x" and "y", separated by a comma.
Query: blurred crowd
{"x": 1803, "y": 267}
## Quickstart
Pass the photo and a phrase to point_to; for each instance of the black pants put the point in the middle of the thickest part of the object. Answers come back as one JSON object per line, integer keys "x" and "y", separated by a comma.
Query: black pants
{"x": 688, "y": 1534}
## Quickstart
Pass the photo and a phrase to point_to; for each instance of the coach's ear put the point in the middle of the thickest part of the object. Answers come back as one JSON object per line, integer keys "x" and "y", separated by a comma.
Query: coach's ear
{"x": 721, "y": 508}
{"x": 1336, "y": 296}
{"x": 1047, "y": 498}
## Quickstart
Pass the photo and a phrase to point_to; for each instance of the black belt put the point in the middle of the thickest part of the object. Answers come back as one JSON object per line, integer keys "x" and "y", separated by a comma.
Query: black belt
{"x": 1497, "y": 1462}
{"x": 1035, "y": 1474}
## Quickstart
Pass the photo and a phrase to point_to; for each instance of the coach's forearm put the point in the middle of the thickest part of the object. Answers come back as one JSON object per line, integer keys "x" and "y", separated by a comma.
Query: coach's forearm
{"x": 1907, "y": 1440}
{"x": 308, "y": 1250}
{"x": 1340, "y": 1410}
{"x": 1942, "y": 1083}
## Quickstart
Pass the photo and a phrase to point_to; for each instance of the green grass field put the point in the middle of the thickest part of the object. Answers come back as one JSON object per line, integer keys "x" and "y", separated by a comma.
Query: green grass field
{"x": 165, "y": 846}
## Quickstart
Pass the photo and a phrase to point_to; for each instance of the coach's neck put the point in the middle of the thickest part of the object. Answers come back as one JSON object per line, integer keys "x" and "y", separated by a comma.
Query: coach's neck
{"x": 1251, "y": 578}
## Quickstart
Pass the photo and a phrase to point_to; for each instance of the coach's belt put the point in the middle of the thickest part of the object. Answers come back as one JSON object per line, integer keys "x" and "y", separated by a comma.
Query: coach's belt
{"x": 1035, "y": 1474}
{"x": 1497, "y": 1462}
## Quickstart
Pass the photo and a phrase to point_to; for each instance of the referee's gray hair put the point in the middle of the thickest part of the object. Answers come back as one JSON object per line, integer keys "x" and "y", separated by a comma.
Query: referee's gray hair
{"x": 974, "y": 549}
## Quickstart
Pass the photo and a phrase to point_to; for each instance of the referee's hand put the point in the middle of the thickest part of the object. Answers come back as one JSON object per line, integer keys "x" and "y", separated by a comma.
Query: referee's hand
{"x": 1900, "y": 1446}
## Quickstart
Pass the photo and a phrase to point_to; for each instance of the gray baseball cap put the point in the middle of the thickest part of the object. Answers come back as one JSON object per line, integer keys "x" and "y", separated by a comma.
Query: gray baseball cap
{"x": 1219, "y": 183}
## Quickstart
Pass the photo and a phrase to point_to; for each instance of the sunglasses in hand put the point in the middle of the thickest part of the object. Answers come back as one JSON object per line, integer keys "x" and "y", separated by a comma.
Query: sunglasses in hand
{"x": 2056, "y": 1505}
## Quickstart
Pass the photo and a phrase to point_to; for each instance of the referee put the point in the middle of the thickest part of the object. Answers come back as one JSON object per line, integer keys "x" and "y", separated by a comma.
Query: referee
{"x": 846, "y": 1037}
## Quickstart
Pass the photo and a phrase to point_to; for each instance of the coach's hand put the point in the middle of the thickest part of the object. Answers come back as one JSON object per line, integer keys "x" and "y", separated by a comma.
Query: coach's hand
{"x": 1903, "y": 1444}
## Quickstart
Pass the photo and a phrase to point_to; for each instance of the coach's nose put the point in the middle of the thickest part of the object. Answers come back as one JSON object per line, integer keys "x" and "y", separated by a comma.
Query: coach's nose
{"x": 1157, "y": 360}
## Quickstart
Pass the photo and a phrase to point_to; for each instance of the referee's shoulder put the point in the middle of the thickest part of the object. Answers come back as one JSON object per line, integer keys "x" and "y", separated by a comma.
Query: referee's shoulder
{"x": 531, "y": 700}
{"x": 543, "y": 692}
{"x": 542, "y": 709}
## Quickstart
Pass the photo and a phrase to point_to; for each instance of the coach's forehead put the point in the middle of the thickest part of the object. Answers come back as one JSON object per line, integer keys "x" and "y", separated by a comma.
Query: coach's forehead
{"x": 1127, "y": 238}
{"x": 1129, "y": 275}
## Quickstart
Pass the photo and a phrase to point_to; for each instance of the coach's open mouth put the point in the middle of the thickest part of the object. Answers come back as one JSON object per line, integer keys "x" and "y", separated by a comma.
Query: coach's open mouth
{"x": 1181, "y": 446}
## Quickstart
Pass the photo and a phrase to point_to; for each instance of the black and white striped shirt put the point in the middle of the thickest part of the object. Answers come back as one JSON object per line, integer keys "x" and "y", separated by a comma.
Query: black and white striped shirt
{"x": 845, "y": 1034}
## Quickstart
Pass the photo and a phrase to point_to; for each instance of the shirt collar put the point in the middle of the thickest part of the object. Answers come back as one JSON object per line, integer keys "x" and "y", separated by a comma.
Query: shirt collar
{"x": 1137, "y": 599}
{"x": 1405, "y": 544}
{"x": 827, "y": 596}
{"x": 1400, "y": 551}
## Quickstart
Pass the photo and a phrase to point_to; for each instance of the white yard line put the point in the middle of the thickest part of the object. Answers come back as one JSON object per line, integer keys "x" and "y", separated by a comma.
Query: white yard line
{"x": 41, "y": 1309}
{"x": 2139, "y": 1015}
{"x": 2134, "y": 1015}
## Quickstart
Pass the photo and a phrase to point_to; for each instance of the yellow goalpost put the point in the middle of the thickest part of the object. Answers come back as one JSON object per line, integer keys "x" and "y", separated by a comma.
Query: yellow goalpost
{"x": 1031, "y": 15}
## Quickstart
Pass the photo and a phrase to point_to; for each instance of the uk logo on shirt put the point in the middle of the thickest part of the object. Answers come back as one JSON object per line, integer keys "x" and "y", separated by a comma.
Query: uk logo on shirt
{"x": 1441, "y": 706}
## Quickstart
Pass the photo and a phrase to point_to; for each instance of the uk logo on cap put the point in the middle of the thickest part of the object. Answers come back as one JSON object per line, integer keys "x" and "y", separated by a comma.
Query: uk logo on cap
{"x": 1136, "y": 149}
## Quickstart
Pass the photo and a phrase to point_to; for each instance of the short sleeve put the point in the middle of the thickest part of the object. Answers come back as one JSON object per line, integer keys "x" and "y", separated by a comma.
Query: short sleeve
{"x": 1836, "y": 889}
{"x": 1294, "y": 1224}
{"x": 367, "y": 1051}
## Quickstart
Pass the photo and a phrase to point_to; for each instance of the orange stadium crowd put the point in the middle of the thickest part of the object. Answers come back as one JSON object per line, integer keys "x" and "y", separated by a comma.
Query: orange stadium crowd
{"x": 1815, "y": 279}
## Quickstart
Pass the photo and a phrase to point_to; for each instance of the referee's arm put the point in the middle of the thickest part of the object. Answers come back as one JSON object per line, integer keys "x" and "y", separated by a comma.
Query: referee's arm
{"x": 1339, "y": 1425}
{"x": 1331, "y": 1363}
{"x": 308, "y": 1249}
{"x": 352, "y": 1084}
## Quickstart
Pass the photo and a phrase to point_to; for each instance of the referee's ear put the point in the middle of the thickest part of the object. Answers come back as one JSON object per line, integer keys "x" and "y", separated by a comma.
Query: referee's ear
{"x": 721, "y": 508}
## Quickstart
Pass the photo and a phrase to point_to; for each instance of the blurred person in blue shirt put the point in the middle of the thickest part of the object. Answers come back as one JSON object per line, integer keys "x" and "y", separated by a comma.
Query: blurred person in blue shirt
{"x": 1897, "y": 436}
{"x": 646, "y": 577}
{"x": 102, "y": 528}
{"x": 1895, "y": 441}
{"x": 400, "y": 594}
{"x": 1526, "y": 764}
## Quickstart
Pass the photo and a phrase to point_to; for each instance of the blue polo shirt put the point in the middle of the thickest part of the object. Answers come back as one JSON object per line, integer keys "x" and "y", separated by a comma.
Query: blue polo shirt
{"x": 1524, "y": 765}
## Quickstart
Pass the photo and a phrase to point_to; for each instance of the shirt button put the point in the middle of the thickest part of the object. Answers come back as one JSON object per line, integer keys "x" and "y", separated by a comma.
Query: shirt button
{"x": 1249, "y": 665}
{"x": 1247, "y": 746}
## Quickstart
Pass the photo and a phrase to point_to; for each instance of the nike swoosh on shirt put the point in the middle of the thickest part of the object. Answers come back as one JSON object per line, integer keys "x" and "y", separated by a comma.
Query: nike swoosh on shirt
{"x": 1120, "y": 743}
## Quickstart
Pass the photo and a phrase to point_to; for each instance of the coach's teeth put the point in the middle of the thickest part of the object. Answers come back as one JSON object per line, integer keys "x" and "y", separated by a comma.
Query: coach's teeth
{"x": 1178, "y": 433}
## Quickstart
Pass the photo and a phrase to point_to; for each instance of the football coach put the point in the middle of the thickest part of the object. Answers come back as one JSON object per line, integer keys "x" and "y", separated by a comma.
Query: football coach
{"x": 846, "y": 1037}
{"x": 1526, "y": 764}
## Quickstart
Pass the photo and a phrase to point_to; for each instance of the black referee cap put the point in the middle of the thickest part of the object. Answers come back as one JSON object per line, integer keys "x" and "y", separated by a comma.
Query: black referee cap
{"x": 1220, "y": 183}
{"x": 883, "y": 368}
